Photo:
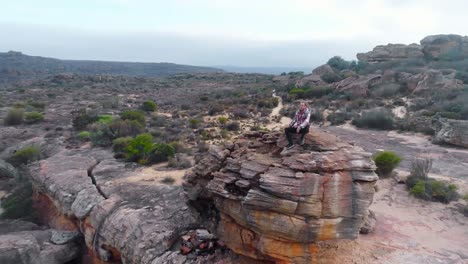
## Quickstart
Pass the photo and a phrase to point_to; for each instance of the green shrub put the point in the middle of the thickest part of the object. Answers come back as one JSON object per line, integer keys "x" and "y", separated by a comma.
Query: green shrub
{"x": 104, "y": 119}
{"x": 223, "y": 120}
{"x": 432, "y": 190}
{"x": 386, "y": 161}
{"x": 140, "y": 149}
{"x": 377, "y": 118}
{"x": 37, "y": 105}
{"x": 420, "y": 168}
{"x": 316, "y": 115}
{"x": 194, "y": 122}
{"x": 337, "y": 118}
{"x": 233, "y": 126}
{"x": 119, "y": 145}
{"x": 84, "y": 135}
{"x": 82, "y": 118}
{"x": 14, "y": 117}
{"x": 386, "y": 90}
{"x": 162, "y": 152}
{"x": 149, "y": 106}
{"x": 338, "y": 63}
{"x": 462, "y": 76}
{"x": 33, "y": 117}
{"x": 331, "y": 77}
{"x": 18, "y": 205}
{"x": 133, "y": 115}
{"x": 25, "y": 155}
{"x": 168, "y": 180}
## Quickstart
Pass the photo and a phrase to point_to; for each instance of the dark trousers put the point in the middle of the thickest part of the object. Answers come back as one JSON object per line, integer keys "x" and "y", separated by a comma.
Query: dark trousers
{"x": 291, "y": 130}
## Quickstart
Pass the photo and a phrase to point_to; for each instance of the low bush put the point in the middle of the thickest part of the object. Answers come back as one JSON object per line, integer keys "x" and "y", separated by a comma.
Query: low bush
{"x": 140, "y": 149}
{"x": 168, "y": 180}
{"x": 194, "y": 123}
{"x": 133, "y": 115}
{"x": 240, "y": 112}
{"x": 119, "y": 146}
{"x": 233, "y": 126}
{"x": 149, "y": 106}
{"x": 338, "y": 118}
{"x": 432, "y": 190}
{"x": 162, "y": 152}
{"x": 331, "y": 77}
{"x": 223, "y": 120}
{"x": 386, "y": 90}
{"x": 82, "y": 118}
{"x": 377, "y": 118}
{"x": 424, "y": 187}
{"x": 33, "y": 117}
{"x": 18, "y": 205}
{"x": 105, "y": 119}
{"x": 25, "y": 155}
{"x": 316, "y": 115}
{"x": 386, "y": 161}
{"x": 14, "y": 117}
{"x": 179, "y": 161}
{"x": 84, "y": 135}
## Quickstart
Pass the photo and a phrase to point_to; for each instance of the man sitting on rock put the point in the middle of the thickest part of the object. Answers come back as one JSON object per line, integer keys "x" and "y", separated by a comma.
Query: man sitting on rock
{"x": 299, "y": 125}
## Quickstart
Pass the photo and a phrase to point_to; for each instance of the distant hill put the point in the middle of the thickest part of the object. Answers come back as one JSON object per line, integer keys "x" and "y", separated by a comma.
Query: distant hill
{"x": 16, "y": 66}
{"x": 264, "y": 70}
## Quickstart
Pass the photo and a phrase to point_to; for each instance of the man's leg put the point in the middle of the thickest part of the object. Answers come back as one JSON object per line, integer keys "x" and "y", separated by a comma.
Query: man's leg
{"x": 287, "y": 132}
{"x": 303, "y": 132}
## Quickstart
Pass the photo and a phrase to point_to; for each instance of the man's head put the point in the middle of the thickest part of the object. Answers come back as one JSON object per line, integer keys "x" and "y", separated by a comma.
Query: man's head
{"x": 302, "y": 106}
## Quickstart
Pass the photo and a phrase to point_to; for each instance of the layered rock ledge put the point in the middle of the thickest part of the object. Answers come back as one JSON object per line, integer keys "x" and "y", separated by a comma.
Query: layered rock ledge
{"x": 275, "y": 204}
{"x": 122, "y": 220}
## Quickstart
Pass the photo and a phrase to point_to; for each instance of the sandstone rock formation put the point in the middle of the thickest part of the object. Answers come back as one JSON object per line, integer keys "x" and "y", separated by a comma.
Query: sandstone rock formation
{"x": 450, "y": 47}
{"x": 453, "y": 132}
{"x": 275, "y": 204}
{"x": 431, "y": 80}
{"x": 26, "y": 243}
{"x": 392, "y": 52}
{"x": 121, "y": 220}
{"x": 357, "y": 85}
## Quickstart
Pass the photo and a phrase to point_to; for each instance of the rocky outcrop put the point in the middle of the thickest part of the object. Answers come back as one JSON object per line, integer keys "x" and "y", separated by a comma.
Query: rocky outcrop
{"x": 453, "y": 132}
{"x": 392, "y": 52}
{"x": 276, "y": 204}
{"x": 446, "y": 47}
{"x": 121, "y": 219}
{"x": 26, "y": 243}
{"x": 431, "y": 80}
{"x": 357, "y": 86}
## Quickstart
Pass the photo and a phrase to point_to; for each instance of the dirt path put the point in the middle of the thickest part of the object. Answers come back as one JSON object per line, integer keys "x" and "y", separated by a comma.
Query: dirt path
{"x": 274, "y": 125}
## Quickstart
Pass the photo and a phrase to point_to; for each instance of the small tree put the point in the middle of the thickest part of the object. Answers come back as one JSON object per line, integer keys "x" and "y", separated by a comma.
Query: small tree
{"x": 338, "y": 63}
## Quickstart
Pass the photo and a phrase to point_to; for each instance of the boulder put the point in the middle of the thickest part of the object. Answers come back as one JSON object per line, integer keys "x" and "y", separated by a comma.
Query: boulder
{"x": 450, "y": 131}
{"x": 357, "y": 86}
{"x": 294, "y": 198}
{"x": 34, "y": 247}
{"x": 446, "y": 47}
{"x": 392, "y": 52}
{"x": 432, "y": 80}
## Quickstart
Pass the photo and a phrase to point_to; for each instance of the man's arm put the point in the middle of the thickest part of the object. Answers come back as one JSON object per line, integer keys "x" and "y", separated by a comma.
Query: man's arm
{"x": 306, "y": 121}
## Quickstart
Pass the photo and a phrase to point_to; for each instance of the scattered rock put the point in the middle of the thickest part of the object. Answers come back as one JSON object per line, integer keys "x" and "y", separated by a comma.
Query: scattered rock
{"x": 369, "y": 223}
{"x": 450, "y": 131}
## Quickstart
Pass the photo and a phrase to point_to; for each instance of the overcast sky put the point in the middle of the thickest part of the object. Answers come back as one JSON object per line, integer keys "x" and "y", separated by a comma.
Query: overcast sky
{"x": 253, "y": 33}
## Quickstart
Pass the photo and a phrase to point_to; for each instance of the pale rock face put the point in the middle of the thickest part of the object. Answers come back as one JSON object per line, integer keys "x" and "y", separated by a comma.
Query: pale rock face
{"x": 453, "y": 132}
{"x": 392, "y": 52}
{"x": 294, "y": 199}
{"x": 358, "y": 85}
{"x": 431, "y": 80}
{"x": 445, "y": 46}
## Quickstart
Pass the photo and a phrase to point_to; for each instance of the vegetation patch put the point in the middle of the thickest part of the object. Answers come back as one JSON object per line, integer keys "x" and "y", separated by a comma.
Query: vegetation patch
{"x": 377, "y": 118}
{"x": 386, "y": 161}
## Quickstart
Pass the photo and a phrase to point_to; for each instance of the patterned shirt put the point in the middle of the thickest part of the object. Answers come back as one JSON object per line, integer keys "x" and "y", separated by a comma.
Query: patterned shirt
{"x": 301, "y": 118}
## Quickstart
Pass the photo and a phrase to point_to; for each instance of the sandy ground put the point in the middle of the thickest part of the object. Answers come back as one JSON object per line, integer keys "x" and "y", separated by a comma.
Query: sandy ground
{"x": 156, "y": 174}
